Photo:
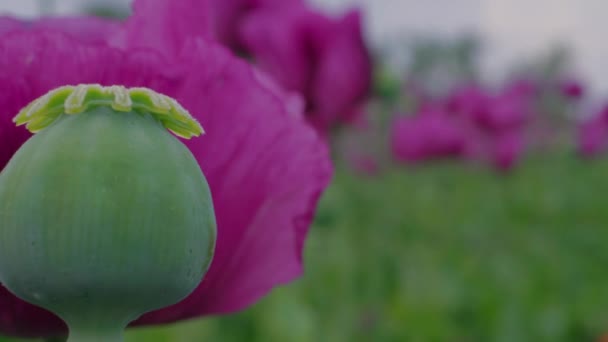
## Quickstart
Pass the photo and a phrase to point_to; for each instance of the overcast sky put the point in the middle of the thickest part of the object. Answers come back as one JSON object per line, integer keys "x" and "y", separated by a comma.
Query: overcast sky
{"x": 513, "y": 29}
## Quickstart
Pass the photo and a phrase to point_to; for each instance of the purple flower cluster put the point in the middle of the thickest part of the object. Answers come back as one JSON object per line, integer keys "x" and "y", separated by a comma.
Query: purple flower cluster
{"x": 471, "y": 122}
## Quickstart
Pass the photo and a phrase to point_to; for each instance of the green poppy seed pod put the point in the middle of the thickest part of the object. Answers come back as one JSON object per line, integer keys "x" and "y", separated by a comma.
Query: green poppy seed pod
{"x": 104, "y": 215}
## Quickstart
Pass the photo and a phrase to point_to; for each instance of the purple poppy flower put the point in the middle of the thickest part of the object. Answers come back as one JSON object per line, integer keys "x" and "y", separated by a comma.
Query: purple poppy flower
{"x": 467, "y": 100}
{"x": 593, "y": 134}
{"x": 487, "y": 127}
{"x": 523, "y": 88}
{"x": 507, "y": 149}
{"x": 322, "y": 58}
{"x": 427, "y": 136}
{"x": 572, "y": 89}
{"x": 504, "y": 112}
{"x": 280, "y": 41}
{"x": 343, "y": 73}
{"x": 228, "y": 15}
{"x": 493, "y": 112}
{"x": 265, "y": 166}
{"x": 364, "y": 164}
{"x": 592, "y": 138}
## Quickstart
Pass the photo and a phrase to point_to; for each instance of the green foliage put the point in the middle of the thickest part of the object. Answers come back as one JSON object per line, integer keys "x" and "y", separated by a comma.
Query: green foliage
{"x": 437, "y": 65}
{"x": 442, "y": 253}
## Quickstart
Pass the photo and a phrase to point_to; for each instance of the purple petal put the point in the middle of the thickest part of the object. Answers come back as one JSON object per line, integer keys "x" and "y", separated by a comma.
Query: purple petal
{"x": 427, "y": 136}
{"x": 8, "y": 24}
{"x": 593, "y": 137}
{"x": 344, "y": 69}
{"x": 18, "y": 318}
{"x": 280, "y": 43}
{"x": 228, "y": 16}
{"x": 504, "y": 112}
{"x": 294, "y": 103}
{"x": 364, "y": 164}
{"x": 86, "y": 29}
{"x": 523, "y": 88}
{"x": 508, "y": 148}
{"x": 226, "y": 19}
{"x": 469, "y": 101}
{"x": 572, "y": 89}
{"x": 165, "y": 25}
{"x": 265, "y": 167}
{"x": 407, "y": 143}
{"x": 324, "y": 59}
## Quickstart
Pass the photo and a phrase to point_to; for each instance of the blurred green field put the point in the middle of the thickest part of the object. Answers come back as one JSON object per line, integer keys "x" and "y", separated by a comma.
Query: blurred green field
{"x": 442, "y": 253}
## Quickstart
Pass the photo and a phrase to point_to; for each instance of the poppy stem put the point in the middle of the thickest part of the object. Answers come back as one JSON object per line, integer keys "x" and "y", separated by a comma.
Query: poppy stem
{"x": 95, "y": 336}
{"x": 56, "y": 339}
{"x": 95, "y": 329}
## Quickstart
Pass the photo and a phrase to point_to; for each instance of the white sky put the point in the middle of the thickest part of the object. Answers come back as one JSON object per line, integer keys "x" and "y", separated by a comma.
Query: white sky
{"x": 512, "y": 29}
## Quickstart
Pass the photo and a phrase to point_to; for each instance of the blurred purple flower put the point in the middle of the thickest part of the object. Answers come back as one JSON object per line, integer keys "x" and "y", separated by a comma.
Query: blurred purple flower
{"x": 494, "y": 112}
{"x": 572, "y": 89}
{"x": 504, "y": 112}
{"x": 523, "y": 88}
{"x": 507, "y": 149}
{"x": 322, "y": 58}
{"x": 228, "y": 15}
{"x": 593, "y": 134}
{"x": 428, "y": 135}
{"x": 265, "y": 166}
{"x": 467, "y": 100}
{"x": 364, "y": 164}
{"x": 472, "y": 123}
{"x": 592, "y": 138}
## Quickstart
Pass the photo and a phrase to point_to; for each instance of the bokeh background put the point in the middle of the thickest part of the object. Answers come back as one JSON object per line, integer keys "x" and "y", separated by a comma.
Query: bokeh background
{"x": 430, "y": 242}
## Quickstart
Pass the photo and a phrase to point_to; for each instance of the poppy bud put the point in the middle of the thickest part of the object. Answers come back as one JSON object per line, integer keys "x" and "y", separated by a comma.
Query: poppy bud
{"x": 104, "y": 214}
